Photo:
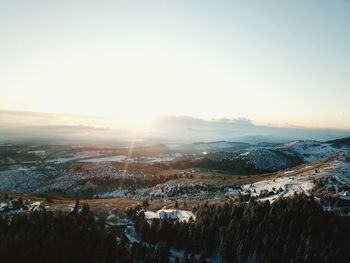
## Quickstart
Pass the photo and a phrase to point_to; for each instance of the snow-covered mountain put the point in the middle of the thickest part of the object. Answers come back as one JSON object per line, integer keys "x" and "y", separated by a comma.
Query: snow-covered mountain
{"x": 268, "y": 159}
{"x": 216, "y": 146}
{"x": 308, "y": 150}
{"x": 282, "y": 156}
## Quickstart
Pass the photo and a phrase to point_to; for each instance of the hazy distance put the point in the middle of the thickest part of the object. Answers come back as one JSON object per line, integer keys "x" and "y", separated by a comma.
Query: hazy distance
{"x": 279, "y": 63}
{"x": 17, "y": 126}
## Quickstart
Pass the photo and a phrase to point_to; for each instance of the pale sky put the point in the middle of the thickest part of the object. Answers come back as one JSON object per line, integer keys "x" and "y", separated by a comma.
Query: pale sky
{"x": 282, "y": 63}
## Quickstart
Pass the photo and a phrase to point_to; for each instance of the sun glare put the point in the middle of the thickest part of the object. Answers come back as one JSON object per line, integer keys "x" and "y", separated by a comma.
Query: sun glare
{"x": 138, "y": 121}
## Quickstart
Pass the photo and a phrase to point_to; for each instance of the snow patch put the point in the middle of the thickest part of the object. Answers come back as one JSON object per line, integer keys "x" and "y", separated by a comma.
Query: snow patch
{"x": 116, "y": 158}
{"x": 174, "y": 214}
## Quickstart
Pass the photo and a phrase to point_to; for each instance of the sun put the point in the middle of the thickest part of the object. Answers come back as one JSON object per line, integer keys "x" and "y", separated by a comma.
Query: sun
{"x": 137, "y": 121}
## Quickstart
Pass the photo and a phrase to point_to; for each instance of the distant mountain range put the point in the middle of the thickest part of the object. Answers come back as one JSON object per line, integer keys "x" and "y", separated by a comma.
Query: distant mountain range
{"x": 343, "y": 141}
{"x": 61, "y": 128}
{"x": 268, "y": 159}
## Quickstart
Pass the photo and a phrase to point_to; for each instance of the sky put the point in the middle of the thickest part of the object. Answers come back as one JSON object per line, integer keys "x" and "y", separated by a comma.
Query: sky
{"x": 280, "y": 63}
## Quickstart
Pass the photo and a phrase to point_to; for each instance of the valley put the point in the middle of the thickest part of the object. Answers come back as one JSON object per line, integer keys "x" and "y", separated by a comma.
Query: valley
{"x": 124, "y": 177}
{"x": 156, "y": 183}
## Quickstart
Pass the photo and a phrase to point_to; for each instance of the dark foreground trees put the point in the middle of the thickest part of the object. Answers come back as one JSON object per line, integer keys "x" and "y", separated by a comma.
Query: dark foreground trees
{"x": 45, "y": 237}
{"x": 290, "y": 230}
{"x": 75, "y": 237}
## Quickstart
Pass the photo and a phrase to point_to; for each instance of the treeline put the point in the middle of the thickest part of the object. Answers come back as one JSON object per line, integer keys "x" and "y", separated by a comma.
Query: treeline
{"x": 75, "y": 237}
{"x": 105, "y": 184}
{"x": 234, "y": 166}
{"x": 290, "y": 230}
{"x": 48, "y": 237}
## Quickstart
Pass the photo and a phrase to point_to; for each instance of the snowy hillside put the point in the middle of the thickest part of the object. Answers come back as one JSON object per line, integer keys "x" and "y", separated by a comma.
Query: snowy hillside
{"x": 216, "y": 146}
{"x": 181, "y": 215}
{"x": 268, "y": 159}
{"x": 289, "y": 154}
{"x": 279, "y": 157}
{"x": 308, "y": 150}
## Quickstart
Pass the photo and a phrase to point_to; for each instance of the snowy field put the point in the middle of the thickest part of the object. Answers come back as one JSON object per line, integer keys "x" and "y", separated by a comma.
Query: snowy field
{"x": 40, "y": 153}
{"x": 337, "y": 176}
{"x": 281, "y": 187}
{"x": 74, "y": 157}
{"x": 42, "y": 179}
{"x": 120, "y": 193}
{"x": 145, "y": 159}
{"x": 181, "y": 215}
{"x": 309, "y": 150}
{"x": 156, "y": 159}
{"x": 184, "y": 190}
{"x": 116, "y": 158}
{"x": 21, "y": 179}
{"x": 340, "y": 171}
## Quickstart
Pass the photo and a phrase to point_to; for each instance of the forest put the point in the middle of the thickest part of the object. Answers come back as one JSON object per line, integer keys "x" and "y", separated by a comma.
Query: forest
{"x": 291, "y": 229}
